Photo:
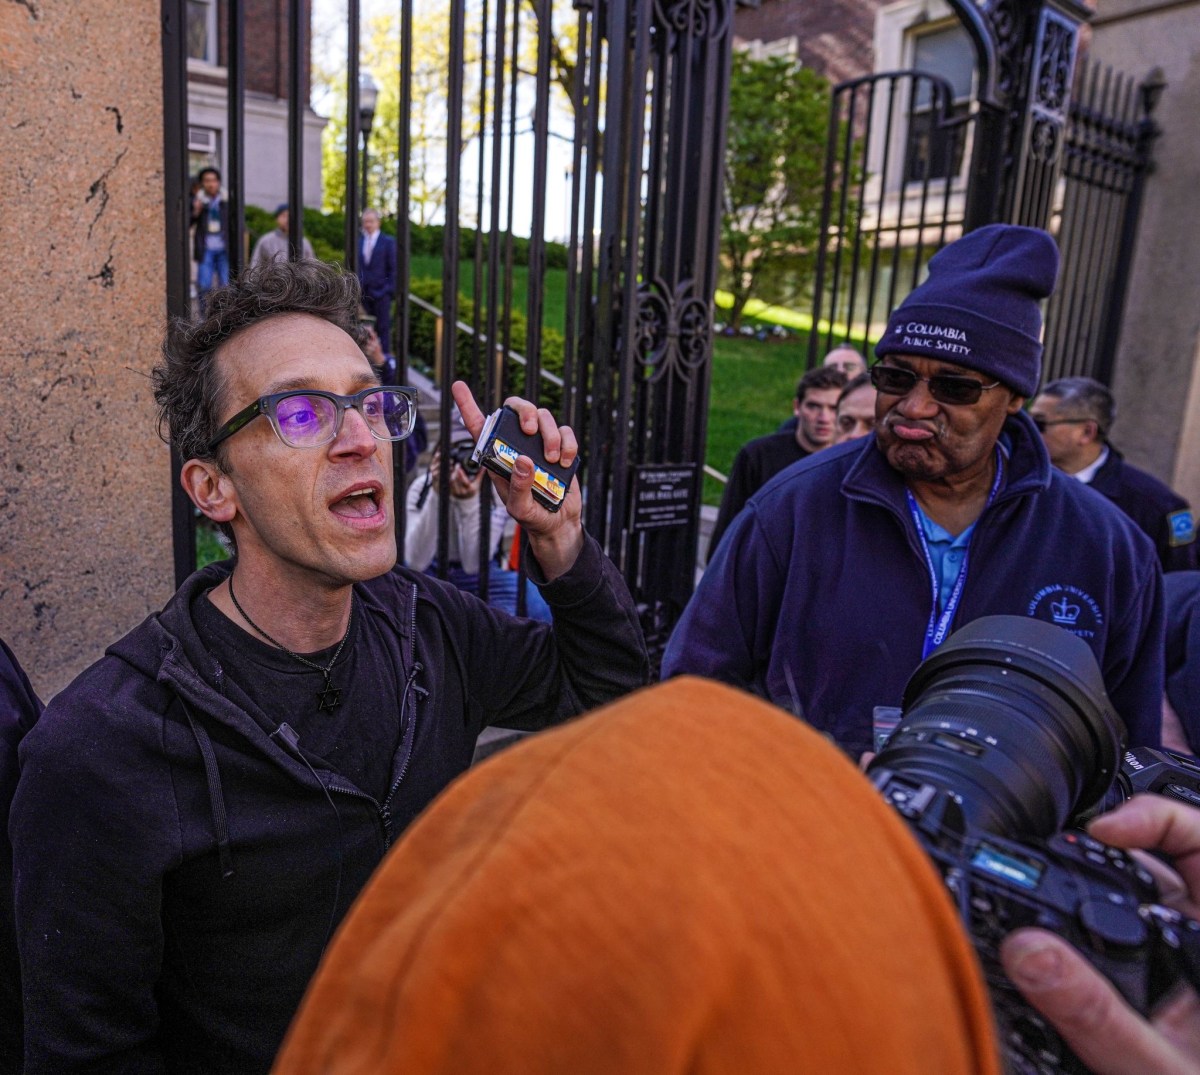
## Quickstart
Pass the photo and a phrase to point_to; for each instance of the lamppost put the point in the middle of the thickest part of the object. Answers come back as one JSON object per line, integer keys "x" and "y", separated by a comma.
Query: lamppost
{"x": 368, "y": 94}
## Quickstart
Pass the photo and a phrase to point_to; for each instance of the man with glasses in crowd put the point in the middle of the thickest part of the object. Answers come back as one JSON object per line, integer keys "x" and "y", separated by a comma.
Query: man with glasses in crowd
{"x": 1074, "y": 416}
{"x": 850, "y": 567}
{"x": 198, "y": 810}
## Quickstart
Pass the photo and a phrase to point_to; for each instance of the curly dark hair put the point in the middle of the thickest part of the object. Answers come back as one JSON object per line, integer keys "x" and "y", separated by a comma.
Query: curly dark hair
{"x": 189, "y": 385}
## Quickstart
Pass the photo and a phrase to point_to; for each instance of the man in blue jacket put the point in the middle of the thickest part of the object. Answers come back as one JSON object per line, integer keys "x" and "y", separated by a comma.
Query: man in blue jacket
{"x": 377, "y": 275}
{"x": 850, "y": 567}
{"x": 197, "y": 811}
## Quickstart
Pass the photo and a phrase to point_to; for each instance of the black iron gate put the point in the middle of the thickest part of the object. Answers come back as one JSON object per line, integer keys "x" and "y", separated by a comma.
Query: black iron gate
{"x": 643, "y": 111}
{"x": 1046, "y": 141}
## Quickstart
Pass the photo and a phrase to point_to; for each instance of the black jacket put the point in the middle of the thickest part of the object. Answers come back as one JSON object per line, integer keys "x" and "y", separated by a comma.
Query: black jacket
{"x": 1162, "y": 514}
{"x": 179, "y": 865}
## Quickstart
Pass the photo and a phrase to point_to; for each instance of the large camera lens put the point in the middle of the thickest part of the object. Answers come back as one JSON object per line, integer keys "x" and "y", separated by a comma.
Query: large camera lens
{"x": 1011, "y": 713}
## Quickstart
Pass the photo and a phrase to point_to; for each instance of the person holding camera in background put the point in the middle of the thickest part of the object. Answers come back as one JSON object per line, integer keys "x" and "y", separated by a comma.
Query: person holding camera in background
{"x": 465, "y": 521}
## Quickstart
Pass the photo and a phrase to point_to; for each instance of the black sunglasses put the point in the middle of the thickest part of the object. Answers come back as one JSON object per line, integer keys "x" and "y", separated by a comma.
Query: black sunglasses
{"x": 944, "y": 387}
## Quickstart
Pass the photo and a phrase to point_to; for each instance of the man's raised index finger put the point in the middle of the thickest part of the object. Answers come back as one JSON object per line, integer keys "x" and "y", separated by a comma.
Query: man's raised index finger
{"x": 472, "y": 416}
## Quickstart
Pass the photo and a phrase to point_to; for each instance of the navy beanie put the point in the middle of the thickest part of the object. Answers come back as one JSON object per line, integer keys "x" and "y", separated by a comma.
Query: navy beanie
{"x": 979, "y": 305}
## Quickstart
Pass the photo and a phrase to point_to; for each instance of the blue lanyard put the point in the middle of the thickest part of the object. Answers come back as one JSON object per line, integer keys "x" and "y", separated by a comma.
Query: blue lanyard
{"x": 939, "y": 626}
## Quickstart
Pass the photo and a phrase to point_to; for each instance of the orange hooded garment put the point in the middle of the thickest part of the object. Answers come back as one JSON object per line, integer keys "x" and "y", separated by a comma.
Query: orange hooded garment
{"x": 688, "y": 880}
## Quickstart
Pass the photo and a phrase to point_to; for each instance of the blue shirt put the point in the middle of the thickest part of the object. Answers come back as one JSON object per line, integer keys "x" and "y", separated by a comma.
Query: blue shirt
{"x": 947, "y": 552}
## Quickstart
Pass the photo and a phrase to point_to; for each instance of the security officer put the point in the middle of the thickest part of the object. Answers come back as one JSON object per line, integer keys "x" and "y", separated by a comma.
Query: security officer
{"x": 1074, "y": 415}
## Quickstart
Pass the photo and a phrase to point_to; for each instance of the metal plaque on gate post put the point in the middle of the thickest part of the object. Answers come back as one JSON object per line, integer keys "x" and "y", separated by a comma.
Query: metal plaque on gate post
{"x": 664, "y": 495}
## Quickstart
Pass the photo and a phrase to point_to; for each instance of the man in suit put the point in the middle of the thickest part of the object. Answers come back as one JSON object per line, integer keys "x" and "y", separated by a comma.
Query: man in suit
{"x": 377, "y": 274}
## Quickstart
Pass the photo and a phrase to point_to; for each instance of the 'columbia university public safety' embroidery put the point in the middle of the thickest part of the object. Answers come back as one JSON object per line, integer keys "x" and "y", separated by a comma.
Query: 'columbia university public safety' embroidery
{"x": 1183, "y": 530}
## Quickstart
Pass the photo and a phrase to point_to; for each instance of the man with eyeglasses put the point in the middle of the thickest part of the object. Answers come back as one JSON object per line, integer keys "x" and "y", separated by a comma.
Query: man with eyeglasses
{"x": 197, "y": 812}
{"x": 1074, "y": 416}
{"x": 847, "y": 569}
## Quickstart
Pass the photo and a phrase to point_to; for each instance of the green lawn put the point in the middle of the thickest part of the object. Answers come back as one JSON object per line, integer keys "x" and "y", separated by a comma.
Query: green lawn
{"x": 753, "y": 385}
{"x": 753, "y": 382}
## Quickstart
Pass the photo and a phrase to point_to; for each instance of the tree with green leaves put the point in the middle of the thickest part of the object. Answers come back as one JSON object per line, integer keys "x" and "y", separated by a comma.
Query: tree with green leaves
{"x": 774, "y": 179}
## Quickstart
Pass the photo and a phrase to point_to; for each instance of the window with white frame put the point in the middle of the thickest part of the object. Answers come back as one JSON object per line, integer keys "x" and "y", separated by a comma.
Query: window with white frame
{"x": 202, "y": 30}
{"x": 932, "y": 148}
{"x": 204, "y": 149}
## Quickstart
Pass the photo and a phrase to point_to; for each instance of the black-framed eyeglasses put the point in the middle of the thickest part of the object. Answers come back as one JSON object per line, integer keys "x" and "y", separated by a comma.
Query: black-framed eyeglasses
{"x": 308, "y": 418}
{"x": 944, "y": 387}
{"x": 1043, "y": 423}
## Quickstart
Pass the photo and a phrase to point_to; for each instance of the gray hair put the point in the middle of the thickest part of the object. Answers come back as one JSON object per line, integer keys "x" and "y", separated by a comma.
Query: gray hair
{"x": 1085, "y": 398}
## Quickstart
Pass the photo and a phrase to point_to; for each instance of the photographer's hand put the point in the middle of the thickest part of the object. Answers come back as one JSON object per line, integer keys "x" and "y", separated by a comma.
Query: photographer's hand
{"x": 1085, "y": 1008}
{"x": 555, "y": 538}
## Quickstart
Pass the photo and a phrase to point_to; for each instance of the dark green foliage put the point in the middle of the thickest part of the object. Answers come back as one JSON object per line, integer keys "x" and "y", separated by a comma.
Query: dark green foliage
{"x": 774, "y": 180}
{"x": 469, "y": 354}
{"x": 326, "y": 231}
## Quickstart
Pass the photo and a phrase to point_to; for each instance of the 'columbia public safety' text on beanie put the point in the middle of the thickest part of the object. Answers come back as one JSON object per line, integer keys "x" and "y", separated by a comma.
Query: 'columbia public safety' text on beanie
{"x": 979, "y": 306}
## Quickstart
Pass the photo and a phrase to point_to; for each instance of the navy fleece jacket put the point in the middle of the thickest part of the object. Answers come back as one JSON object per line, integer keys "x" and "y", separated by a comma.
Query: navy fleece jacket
{"x": 819, "y": 596}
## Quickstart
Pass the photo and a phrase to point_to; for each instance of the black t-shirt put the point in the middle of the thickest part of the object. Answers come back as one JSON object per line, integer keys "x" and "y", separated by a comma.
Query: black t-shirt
{"x": 359, "y": 738}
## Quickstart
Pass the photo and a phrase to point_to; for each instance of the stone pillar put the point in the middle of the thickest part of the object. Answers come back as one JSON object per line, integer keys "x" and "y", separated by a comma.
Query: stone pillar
{"x": 85, "y": 536}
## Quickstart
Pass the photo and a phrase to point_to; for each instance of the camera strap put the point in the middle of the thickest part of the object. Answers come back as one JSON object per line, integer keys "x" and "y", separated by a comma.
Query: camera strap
{"x": 939, "y": 626}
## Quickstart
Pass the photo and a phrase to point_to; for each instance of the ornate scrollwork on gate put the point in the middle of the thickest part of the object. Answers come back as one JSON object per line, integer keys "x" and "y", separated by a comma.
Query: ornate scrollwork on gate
{"x": 695, "y": 18}
{"x": 1004, "y": 17}
{"x": 1056, "y": 63}
{"x": 672, "y": 330}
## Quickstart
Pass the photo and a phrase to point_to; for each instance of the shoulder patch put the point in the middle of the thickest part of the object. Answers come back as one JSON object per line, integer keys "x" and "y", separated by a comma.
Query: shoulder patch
{"x": 1183, "y": 530}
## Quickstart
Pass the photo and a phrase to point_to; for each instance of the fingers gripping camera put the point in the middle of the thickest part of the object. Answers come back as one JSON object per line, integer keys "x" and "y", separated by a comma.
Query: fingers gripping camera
{"x": 1007, "y": 736}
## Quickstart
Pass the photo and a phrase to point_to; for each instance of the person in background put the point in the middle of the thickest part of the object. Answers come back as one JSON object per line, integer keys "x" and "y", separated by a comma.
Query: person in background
{"x": 377, "y": 275}
{"x": 1074, "y": 416}
{"x": 759, "y": 460}
{"x": 211, "y": 238}
{"x": 465, "y": 530}
{"x": 847, "y": 359}
{"x": 275, "y": 245}
{"x": 843, "y": 358}
{"x": 855, "y": 413}
{"x": 20, "y": 708}
{"x": 605, "y": 898}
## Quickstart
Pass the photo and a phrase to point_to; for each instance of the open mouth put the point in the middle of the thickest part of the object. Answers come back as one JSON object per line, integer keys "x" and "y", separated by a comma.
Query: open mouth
{"x": 360, "y": 504}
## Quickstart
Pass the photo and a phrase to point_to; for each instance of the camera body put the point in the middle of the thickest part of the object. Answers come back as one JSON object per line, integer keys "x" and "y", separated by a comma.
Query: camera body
{"x": 1096, "y": 897}
{"x": 462, "y": 453}
{"x": 1006, "y": 744}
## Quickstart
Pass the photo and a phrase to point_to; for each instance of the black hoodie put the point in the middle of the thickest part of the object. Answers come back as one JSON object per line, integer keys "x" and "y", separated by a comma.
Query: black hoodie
{"x": 180, "y": 864}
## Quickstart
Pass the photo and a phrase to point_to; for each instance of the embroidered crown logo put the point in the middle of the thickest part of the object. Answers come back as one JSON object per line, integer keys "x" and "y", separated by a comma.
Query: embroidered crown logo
{"x": 1064, "y": 613}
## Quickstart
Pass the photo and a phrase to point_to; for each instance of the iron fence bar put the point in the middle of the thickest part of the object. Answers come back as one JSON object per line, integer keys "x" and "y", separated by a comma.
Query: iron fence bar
{"x": 536, "y": 267}
{"x": 880, "y": 202}
{"x": 572, "y": 373}
{"x": 176, "y": 211}
{"x": 638, "y": 27}
{"x": 401, "y": 327}
{"x": 493, "y": 262}
{"x": 450, "y": 247}
{"x": 353, "y": 134}
{"x": 297, "y": 48}
{"x": 1148, "y": 133}
{"x": 235, "y": 63}
{"x": 819, "y": 269}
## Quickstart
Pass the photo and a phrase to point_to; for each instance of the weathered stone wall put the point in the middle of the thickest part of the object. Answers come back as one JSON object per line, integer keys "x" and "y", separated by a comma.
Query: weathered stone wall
{"x": 85, "y": 540}
{"x": 1157, "y": 382}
